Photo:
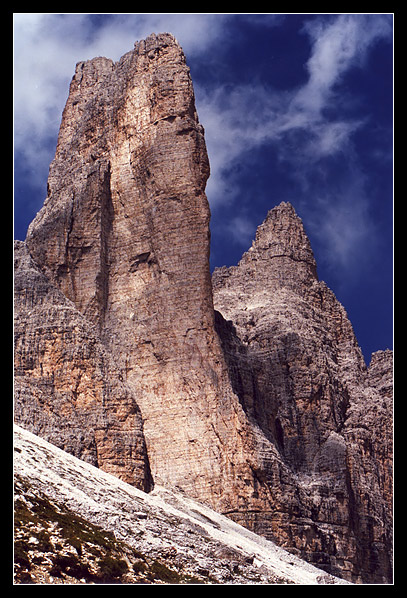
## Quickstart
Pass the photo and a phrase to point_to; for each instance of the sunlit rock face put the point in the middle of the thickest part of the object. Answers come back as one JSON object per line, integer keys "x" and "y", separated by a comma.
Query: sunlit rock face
{"x": 67, "y": 387}
{"x": 248, "y": 391}
{"x": 124, "y": 234}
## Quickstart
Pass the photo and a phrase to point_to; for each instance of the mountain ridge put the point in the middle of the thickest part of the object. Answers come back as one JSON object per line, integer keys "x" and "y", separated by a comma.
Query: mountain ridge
{"x": 247, "y": 389}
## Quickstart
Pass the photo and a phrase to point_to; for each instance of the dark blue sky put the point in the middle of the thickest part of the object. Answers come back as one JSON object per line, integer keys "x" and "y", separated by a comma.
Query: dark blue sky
{"x": 296, "y": 107}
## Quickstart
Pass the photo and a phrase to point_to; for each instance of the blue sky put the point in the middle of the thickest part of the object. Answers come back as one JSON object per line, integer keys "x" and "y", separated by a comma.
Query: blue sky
{"x": 296, "y": 107}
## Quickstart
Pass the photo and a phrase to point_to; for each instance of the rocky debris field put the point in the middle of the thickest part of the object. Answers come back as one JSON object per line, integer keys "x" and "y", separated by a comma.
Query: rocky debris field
{"x": 75, "y": 524}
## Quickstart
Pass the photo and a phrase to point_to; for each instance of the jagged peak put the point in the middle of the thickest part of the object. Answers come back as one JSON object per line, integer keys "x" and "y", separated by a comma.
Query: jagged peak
{"x": 281, "y": 224}
{"x": 151, "y": 44}
{"x": 280, "y": 252}
{"x": 155, "y": 41}
{"x": 282, "y": 235}
{"x": 283, "y": 207}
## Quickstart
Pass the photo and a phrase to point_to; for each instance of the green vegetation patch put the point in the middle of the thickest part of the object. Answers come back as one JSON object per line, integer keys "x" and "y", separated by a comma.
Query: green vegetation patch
{"x": 68, "y": 546}
{"x": 70, "y": 565}
{"x": 38, "y": 516}
{"x": 45, "y": 528}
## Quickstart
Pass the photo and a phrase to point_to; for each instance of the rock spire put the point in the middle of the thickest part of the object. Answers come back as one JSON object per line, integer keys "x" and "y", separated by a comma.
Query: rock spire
{"x": 124, "y": 234}
{"x": 247, "y": 391}
{"x": 296, "y": 365}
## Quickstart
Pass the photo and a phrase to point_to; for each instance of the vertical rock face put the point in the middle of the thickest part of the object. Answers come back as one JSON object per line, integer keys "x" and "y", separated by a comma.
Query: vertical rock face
{"x": 296, "y": 365}
{"x": 368, "y": 432}
{"x": 67, "y": 388}
{"x": 124, "y": 234}
{"x": 295, "y": 333}
{"x": 256, "y": 407}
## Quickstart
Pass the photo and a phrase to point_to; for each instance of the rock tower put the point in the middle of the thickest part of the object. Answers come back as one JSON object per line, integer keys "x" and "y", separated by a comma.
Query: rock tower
{"x": 248, "y": 391}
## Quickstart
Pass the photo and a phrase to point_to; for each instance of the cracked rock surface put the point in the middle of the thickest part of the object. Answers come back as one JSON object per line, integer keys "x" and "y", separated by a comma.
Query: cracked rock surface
{"x": 247, "y": 391}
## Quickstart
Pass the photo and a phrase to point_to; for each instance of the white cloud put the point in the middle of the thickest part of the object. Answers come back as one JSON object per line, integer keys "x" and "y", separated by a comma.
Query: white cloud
{"x": 47, "y": 46}
{"x": 340, "y": 219}
{"x": 344, "y": 231}
{"x": 46, "y": 49}
{"x": 236, "y": 120}
{"x": 338, "y": 45}
{"x": 242, "y": 119}
{"x": 241, "y": 229}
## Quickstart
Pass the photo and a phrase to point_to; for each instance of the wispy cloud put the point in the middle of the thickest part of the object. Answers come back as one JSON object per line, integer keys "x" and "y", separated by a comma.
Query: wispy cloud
{"x": 241, "y": 229}
{"x": 46, "y": 49}
{"x": 299, "y": 123}
{"x": 252, "y": 115}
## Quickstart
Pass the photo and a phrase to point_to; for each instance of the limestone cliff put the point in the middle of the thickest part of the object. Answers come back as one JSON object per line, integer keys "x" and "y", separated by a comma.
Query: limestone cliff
{"x": 299, "y": 372}
{"x": 124, "y": 234}
{"x": 67, "y": 388}
{"x": 249, "y": 397}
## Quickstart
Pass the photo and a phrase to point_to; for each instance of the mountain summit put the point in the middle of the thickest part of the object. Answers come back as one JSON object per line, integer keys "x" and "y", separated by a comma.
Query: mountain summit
{"x": 281, "y": 238}
{"x": 248, "y": 391}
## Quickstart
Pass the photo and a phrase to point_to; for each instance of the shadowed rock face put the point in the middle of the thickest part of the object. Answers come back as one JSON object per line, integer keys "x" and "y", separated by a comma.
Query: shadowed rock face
{"x": 262, "y": 407}
{"x": 300, "y": 375}
{"x": 296, "y": 335}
